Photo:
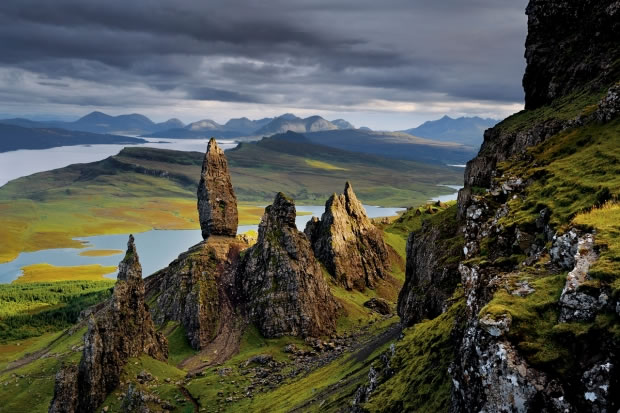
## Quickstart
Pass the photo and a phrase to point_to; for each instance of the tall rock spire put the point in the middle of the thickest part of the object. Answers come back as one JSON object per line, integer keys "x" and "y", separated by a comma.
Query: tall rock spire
{"x": 217, "y": 203}
{"x": 122, "y": 329}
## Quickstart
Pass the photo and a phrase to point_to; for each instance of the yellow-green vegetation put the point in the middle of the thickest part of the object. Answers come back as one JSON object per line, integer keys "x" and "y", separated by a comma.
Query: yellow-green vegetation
{"x": 413, "y": 218}
{"x": 347, "y": 372}
{"x": 572, "y": 171}
{"x": 421, "y": 382}
{"x": 179, "y": 348}
{"x": 324, "y": 165}
{"x": 46, "y": 272}
{"x": 575, "y": 175}
{"x": 30, "y": 388}
{"x": 100, "y": 253}
{"x": 260, "y": 170}
{"x": 164, "y": 382}
{"x": 606, "y": 221}
{"x": 15, "y": 350}
{"x": 32, "y": 309}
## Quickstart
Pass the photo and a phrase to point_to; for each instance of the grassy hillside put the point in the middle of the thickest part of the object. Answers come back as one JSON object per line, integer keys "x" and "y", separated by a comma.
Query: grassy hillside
{"x": 396, "y": 145}
{"x": 145, "y": 188}
{"x": 575, "y": 176}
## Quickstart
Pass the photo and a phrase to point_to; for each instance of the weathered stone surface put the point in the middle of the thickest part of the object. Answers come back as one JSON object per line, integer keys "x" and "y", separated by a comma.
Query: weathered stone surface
{"x": 431, "y": 273}
{"x": 570, "y": 44}
{"x": 379, "y": 305}
{"x": 576, "y": 305}
{"x": 120, "y": 330}
{"x": 564, "y": 248}
{"x": 65, "y": 390}
{"x": 192, "y": 290}
{"x": 347, "y": 243}
{"x": 609, "y": 106}
{"x": 217, "y": 203}
{"x": 280, "y": 282}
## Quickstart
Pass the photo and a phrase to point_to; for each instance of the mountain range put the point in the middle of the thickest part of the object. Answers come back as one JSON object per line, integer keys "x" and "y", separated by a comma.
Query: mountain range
{"x": 465, "y": 130}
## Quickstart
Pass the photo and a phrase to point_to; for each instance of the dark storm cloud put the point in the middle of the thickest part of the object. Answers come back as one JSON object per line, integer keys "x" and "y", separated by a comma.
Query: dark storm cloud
{"x": 304, "y": 51}
{"x": 207, "y": 93}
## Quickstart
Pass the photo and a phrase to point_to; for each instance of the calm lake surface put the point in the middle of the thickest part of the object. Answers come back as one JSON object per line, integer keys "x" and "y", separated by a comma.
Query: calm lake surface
{"x": 156, "y": 248}
{"x": 15, "y": 164}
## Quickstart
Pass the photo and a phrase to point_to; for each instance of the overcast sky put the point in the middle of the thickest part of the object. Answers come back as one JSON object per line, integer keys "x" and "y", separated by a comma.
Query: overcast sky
{"x": 386, "y": 64}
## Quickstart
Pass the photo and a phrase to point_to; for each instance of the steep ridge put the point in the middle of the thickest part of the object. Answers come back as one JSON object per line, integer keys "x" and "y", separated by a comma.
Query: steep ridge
{"x": 534, "y": 324}
{"x": 280, "y": 282}
{"x": 347, "y": 243}
{"x": 120, "y": 330}
{"x": 431, "y": 273}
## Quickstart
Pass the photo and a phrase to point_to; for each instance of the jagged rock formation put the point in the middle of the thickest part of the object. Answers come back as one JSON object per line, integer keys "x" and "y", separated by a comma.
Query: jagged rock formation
{"x": 347, "y": 243}
{"x": 192, "y": 290}
{"x": 280, "y": 282}
{"x": 569, "y": 44}
{"x": 217, "y": 203}
{"x": 120, "y": 330}
{"x": 431, "y": 273}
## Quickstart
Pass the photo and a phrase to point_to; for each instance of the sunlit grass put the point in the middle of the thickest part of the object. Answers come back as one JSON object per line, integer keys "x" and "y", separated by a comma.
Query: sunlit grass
{"x": 100, "y": 253}
{"x": 46, "y": 272}
{"x": 323, "y": 165}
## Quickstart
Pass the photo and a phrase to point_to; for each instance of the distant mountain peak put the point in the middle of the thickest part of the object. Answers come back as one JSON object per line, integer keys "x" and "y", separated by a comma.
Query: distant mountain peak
{"x": 465, "y": 130}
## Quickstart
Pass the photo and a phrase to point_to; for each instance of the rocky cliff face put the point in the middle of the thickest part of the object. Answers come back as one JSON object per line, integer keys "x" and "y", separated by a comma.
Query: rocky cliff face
{"x": 499, "y": 364}
{"x": 120, "y": 330}
{"x": 192, "y": 291}
{"x": 538, "y": 329}
{"x": 347, "y": 243}
{"x": 431, "y": 274}
{"x": 280, "y": 283}
{"x": 570, "y": 44}
{"x": 217, "y": 203}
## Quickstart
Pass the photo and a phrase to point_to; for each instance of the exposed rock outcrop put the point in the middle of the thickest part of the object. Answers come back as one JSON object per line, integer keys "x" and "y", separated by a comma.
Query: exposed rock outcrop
{"x": 569, "y": 44}
{"x": 192, "y": 290}
{"x": 347, "y": 243}
{"x": 280, "y": 282}
{"x": 217, "y": 203}
{"x": 121, "y": 330}
{"x": 431, "y": 274}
